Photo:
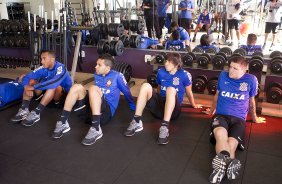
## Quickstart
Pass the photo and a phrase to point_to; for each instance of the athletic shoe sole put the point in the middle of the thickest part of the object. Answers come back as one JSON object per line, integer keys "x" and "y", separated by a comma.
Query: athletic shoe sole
{"x": 18, "y": 120}
{"x": 163, "y": 143}
{"x": 233, "y": 169}
{"x": 28, "y": 125}
{"x": 219, "y": 166}
{"x": 88, "y": 144}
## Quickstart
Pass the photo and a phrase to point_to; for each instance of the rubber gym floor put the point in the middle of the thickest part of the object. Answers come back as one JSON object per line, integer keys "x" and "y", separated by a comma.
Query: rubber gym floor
{"x": 31, "y": 156}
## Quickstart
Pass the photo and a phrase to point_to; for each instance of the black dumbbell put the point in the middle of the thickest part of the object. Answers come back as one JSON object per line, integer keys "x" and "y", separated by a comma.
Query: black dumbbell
{"x": 187, "y": 59}
{"x": 240, "y": 51}
{"x": 211, "y": 86}
{"x": 152, "y": 79}
{"x": 198, "y": 50}
{"x": 257, "y": 53}
{"x": 160, "y": 58}
{"x": 218, "y": 61}
{"x": 204, "y": 60}
{"x": 226, "y": 50}
{"x": 211, "y": 50}
{"x": 275, "y": 54}
{"x": 256, "y": 64}
{"x": 276, "y": 65}
{"x": 274, "y": 93}
{"x": 199, "y": 84}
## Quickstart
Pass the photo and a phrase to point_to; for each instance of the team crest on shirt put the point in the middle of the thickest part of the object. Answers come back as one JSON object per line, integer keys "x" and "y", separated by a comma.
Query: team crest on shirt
{"x": 59, "y": 70}
{"x": 109, "y": 82}
{"x": 243, "y": 86}
{"x": 175, "y": 81}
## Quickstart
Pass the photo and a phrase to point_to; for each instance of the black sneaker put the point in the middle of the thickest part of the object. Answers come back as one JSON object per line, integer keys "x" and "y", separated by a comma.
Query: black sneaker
{"x": 194, "y": 39}
{"x": 92, "y": 136}
{"x": 21, "y": 115}
{"x": 219, "y": 168}
{"x": 163, "y": 135}
{"x": 60, "y": 129}
{"x": 230, "y": 44}
{"x": 233, "y": 169}
{"x": 133, "y": 128}
{"x": 31, "y": 118}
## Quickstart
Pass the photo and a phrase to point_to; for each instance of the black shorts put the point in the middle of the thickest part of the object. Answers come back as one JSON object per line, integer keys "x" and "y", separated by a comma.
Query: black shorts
{"x": 156, "y": 105}
{"x": 234, "y": 126}
{"x": 83, "y": 110}
{"x": 233, "y": 24}
{"x": 271, "y": 27}
{"x": 52, "y": 104}
{"x": 185, "y": 23}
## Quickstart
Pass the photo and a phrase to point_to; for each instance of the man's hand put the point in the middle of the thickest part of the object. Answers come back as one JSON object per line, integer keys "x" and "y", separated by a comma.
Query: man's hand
{"x": 29, "y": 90}
{"x": 29, "y": 93}
{"x": 259, "y": 120}
{"x": 209, "y": 111}
{"x": 197, "y": 106}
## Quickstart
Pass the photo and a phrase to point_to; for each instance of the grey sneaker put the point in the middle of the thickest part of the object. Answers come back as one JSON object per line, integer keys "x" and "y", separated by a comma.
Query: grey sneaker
{"x": 219, "y": 168}
{"x": 263, "y": 47}
{"x": 60, "y": 129}
{"x": 230, "y": 44}
{"x": 163, "y": 135}
{"x": 92, "y": 136}
{"x": 21, "y": 115}
{"x": 31, "y": 118}
{"x": 133, "y": 128}
{"x": 233, "y": 169}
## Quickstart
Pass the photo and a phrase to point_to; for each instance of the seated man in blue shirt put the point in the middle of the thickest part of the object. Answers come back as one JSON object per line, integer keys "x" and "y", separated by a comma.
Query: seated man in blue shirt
{"x": 205, "y": 43}
{"x": 175, "y": 43}
{"x": 184, "y": 36}
{"x": 235, "y": 96}
{"x": 173, "y": 82}
{"x": 97, "y": 105}
{"x": 251, "y": 46}
{"x": 51, "y": 81}
{"x": 204, "y": 21}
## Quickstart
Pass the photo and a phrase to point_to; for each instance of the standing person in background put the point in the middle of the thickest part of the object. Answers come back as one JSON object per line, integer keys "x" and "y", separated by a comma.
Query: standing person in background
{"x": 162, "y": 7}
{"x": 168, "y": 19}
{"x": 150, "y": 8}
{"x": 233, "y": 9}
{"x": 272, "y": 21}
{"x": 186, "y": 7}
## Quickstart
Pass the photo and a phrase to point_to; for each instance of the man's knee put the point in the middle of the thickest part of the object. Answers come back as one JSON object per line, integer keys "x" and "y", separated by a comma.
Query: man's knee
{"x": 76, "y": 88}
{"x": 220, "y": 133}
{"x": 171, "y": 91}
{"x": 92, "y": 89}
{"x": 146, "y": 87}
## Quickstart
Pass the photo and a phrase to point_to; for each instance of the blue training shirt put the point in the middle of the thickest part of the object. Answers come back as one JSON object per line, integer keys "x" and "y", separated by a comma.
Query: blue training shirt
{"x": 180, "y": 80}
{"x": 162, "y": 7}
{"x": 147, "y": 42}
{"x": 234, "y": 94}
{"x": 176, "y": 44}
{"x": 183, "y": 34}
{"x": 49, "y": 79}
{"x": 10, "y": 91}
{"x": 111, "y": 85}
{"x": 185, "y": 13}
{"x": 250, "y": 49}
{"x": 204, "y": 19}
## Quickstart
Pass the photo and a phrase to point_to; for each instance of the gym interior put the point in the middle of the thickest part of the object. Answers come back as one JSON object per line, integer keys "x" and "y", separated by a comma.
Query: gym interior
{"x": 81, "y": 30}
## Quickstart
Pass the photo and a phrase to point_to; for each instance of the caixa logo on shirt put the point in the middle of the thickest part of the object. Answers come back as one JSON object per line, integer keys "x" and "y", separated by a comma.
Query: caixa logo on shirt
{"x": 164, "y": 88}
{"x": 105, "y": 91}
{"x": 233, "y": 95}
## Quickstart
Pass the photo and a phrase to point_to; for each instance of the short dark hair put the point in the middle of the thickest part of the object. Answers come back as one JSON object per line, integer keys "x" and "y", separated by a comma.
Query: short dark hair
{"x": 239, "y": 59}
{"x": 205, "y": 40}
{"x": 50, "y": 53}
{"x": 174, "y": 58}
{"x": 175, "y": 35}
{"x": 174, "y": 24}
{"x": 252, "y": 38}
{"x": 108, "y": 60}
